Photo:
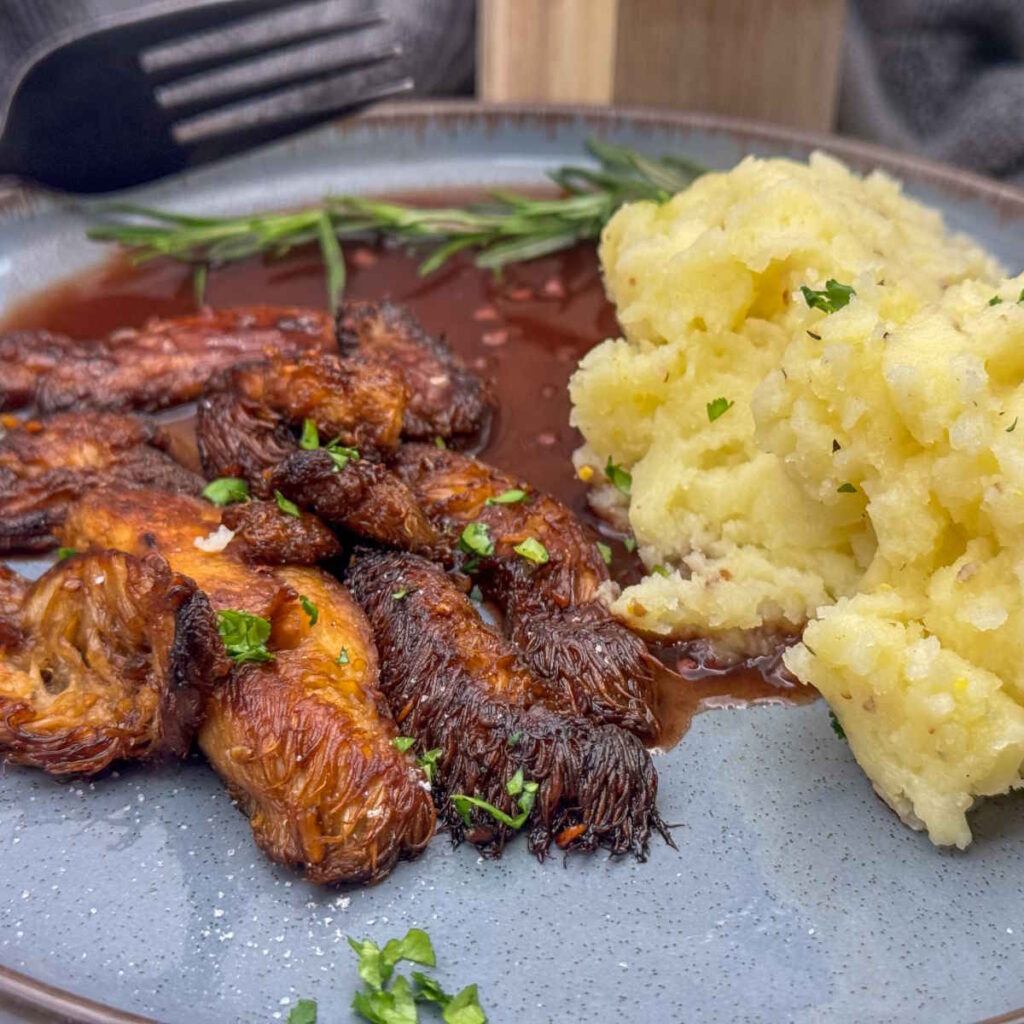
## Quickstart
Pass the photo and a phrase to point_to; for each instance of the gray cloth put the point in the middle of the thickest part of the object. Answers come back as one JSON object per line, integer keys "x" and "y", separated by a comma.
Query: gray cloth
{"x": 944, "y": 78}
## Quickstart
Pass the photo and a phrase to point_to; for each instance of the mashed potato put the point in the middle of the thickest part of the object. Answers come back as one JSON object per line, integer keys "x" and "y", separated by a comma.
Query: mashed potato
{"x": 868, "y": 474}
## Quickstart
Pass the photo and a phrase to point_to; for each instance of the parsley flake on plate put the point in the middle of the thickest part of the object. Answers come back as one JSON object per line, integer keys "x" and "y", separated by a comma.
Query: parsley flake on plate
{"x": 289, "y": 508}
{"x": 310, "y": 439}
{"x": 513, "y": 496}
{"x": 427, "y": 761}
{"x": 226, "y": 490}
{"x": 620, "y": 477}
{"x": 516, "y": 786}
{"x": 310, "y": 609}
{"x": 476, "y": 539}
{"x": 245, "y": 636}
{"x": 830, "y": 298}
{"x": 605, "y": 552}
{"x": 719, "y": 407}
{"x": 403, "y": 743}
{"x": 533, "y": 551}
{"x": 386, "y": 998}
{"x": 303, "y": 1012}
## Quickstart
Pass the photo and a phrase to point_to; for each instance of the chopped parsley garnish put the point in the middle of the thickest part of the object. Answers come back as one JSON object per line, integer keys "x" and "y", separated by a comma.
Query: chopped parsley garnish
{"x": 533, "y": 551}
{"x": 385, "y": 1001}
{"x": 837, "y": 727}
{"x": 310, "y": 609}
{"x": 476, "y": 539}
{"x": 341, "y": 455}
{"x": 660, "y": 570}
{"x": 63, "y": 553}
{"x": 476, "y": 594}
{"x": 606, "y": 552}
{"x": 303, "y": 1012}
{"x": 439, "y": 442}
{"x": 1009, "y": 429}
{"x": 513, "y": 740}
{"x": 513, "y": 496}
{"x": 342, "y": 658}
{"x": 620, "y": 477}
{"x": 226, "y": 490}
{"x": 516, "y": 786}
{"x": 310, "y": 439}
{"x": 427, "y": 762}
{"x": 830, "y": 298}
{"x": 719, "y": 407}
{"x": 289, "y": 508}
{"x": 630, "y": 544}
{"x": 995, "y": 300}
{"x": 403, "y": 743}
{"x": 846, "y": 488}
{"x": 400, "y": 595}
{"x": 245, "y": 636}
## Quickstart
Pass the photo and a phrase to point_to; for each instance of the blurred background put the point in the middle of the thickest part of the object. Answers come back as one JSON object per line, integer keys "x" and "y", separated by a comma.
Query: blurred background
{"x": 943, "y": 78}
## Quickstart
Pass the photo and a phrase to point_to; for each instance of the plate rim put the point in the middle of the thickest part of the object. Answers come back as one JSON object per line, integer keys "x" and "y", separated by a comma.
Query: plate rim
{"x": 23, "y": 200}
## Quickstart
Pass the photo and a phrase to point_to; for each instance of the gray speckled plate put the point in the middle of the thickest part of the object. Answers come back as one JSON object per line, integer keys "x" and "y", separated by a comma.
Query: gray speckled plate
{"x": 795, "y": 895}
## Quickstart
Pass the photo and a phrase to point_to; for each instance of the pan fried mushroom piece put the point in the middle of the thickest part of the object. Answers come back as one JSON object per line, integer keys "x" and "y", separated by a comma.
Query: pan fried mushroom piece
{"x": 363, "y": 498}
{"x": 46, "y": 465}
{"x": 301, "y": 734}
{"x": 13, "y": 588}
{"x": 299, "y": 742}
{"x": 445, "y": 398}
{"x": 26, "y": 357}
{"x": 462, "y": 692}
{"x": 250, "y": 415}
{"x": 163, "y": 363}
{"x": 537, "y": 561}
{"x": 263, "y": 535}
{"x": 114, "y": 660}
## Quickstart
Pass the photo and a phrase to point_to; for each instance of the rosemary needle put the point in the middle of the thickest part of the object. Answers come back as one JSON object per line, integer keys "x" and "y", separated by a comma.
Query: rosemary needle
{"x": 509, "y": 228}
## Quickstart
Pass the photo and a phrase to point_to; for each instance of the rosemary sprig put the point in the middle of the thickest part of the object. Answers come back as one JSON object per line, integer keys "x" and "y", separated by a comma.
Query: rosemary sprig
{"x": 509, "y": 228}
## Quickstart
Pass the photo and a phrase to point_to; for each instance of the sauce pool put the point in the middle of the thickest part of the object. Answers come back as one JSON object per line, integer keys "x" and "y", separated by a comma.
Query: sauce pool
{"x": 525, "y": 331}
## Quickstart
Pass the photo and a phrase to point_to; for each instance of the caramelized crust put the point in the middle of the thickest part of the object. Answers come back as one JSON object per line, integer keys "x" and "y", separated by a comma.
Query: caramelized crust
{"x": 303, "y": 741}
{"x": 115, "y": 659}
{"x": 164, "y": 363}
{"x": 266, "y": 536}
{"x": 445, "y": 398}
{"x": 26, "y": 357}
{"x": 455, "y": 684}
{"x": 597, "y": 666}
{"x": 249, "y": 415}
{"x": 46, "y": 465}
{"x": 363, "y": 498}
{"x": 13, "y": 589}
{"x": 299, "y": 742}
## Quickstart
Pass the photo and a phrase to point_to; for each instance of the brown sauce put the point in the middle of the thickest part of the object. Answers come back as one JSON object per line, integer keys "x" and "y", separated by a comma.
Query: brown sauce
{"x": 525, "y": 331}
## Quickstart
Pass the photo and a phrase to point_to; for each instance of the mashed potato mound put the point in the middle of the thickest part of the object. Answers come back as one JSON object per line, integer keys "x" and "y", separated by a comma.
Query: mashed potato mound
{"x": 868, "y": 475}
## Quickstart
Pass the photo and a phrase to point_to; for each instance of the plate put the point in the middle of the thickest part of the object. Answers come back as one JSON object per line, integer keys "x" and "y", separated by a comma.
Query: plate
{"x": 795, "y": 895}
